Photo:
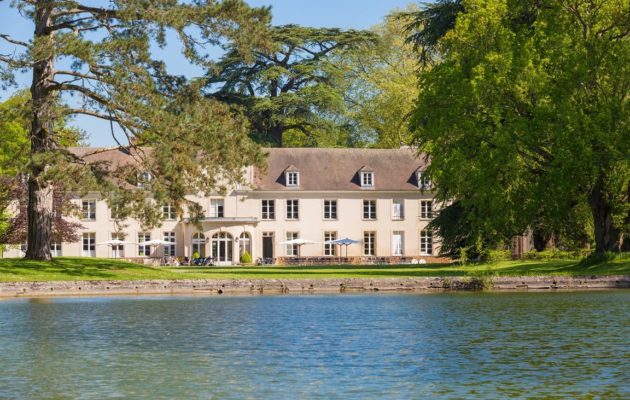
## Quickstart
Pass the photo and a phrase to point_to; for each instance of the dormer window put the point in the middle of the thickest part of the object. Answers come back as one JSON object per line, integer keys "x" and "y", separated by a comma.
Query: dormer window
{"x": 293, "y": 179}
{"x": 424, "y": 182}
{"x": 292, "y": 176}
{"x": 367, "y": 177}
{"x": 144, "y": 180}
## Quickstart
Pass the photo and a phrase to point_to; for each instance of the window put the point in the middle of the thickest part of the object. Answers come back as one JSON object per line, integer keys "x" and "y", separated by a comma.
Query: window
{"x": 144, "y": 250}
{"x": 292, "y": 209}
{"x": 293, "y": 178}
{"x": 367, "y": 179}
{"x": 329, "y": 248}
{"x": 330, "y": 209}
{"x": 89, "y": 244}
{"x": 426, "y": 209}
{"x": 244, "y": 244}
{"x": 398, "y": 243}
{"x": 88, "y": 210}
{"x": 426, "y": 243}
{"x": 216, "y": 208}
{"x": 268, "y": 209}
{"x": 169, "y": 249}
{"x": 292, "y": 249}
{"x": 55, "y": 249}
{"x": 369, "y": 209}
{"x": 118, "y": 250}
{"x": 144, "y": 180}
{"x": 398, "y": 209}
{"x": 424, "y": 183}
{"x": 369, "y": 243}
{"x": 169, "y": 212}
{"x": 199, "y": 244}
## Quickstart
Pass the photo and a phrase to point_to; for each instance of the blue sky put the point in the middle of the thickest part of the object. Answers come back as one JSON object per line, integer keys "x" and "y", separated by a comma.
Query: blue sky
{"x": 346, "y": 14}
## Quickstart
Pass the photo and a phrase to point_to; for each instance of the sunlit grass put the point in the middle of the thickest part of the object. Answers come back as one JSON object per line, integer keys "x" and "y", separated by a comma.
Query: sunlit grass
{"x": 78, "y": 268}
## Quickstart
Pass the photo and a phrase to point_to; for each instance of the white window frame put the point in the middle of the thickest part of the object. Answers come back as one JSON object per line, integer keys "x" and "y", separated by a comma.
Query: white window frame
{"x": 88, "y": 210}
{"x": 56, "y": 250}
{"x": 369, "y": 243}
{"x": 293, "y": 178}
{"x": 169, "y": 249}
{"x": 268, "y": 210}
{"x": 426, "y": 242}
{"x": 369, "y": 210}
{"x": 88, "y": 244}
{"x": 330, "y": 210}
{"x": 330, "y": 249}
{"x": 169, "y": 212}
{"x": 398, "y": 249}
{"x": 426, "y": 209}
{"x": 292, "y": 249}
{"x": 118, "y": 251}
{"x": 293, "y": 209}
{"x": 367, "y": 179}
{"x": 217, "y": 208}
{"x": 144, "y": 250}
{"x": 424, "y": 183}
{"x": 398, "y": 209}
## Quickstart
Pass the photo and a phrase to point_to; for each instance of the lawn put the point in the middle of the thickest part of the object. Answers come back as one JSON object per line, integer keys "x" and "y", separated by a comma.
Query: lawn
{"x": 77, "y": 268}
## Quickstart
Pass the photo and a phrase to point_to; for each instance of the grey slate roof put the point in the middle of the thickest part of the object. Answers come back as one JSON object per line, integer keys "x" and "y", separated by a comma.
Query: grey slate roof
{"x": 338, "y": 169}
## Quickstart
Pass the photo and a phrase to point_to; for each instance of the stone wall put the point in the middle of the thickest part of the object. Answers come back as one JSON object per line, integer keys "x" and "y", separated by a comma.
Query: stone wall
{"x": 302, "y": 286}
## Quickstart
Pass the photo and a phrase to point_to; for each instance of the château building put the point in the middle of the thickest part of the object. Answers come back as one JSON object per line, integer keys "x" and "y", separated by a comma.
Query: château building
{"x": 378, "y": 197}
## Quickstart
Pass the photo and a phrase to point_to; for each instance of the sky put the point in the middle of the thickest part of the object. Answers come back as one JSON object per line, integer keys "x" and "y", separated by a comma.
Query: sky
{"x": 346, "y": 14}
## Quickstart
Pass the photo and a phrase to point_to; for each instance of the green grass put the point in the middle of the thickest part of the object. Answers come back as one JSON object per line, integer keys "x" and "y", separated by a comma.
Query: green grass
{"x": 77, "y": 268}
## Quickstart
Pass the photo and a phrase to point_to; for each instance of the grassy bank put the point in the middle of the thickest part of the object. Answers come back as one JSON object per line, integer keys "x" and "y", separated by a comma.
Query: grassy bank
{"x": 71, "y": 268}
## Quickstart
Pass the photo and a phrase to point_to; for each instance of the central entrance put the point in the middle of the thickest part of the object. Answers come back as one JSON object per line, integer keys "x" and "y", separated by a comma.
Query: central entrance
{"x": 222, "y": 247}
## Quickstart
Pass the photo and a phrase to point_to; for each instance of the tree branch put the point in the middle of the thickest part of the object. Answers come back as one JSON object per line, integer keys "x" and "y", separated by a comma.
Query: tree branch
{"x": 14, "y": 41}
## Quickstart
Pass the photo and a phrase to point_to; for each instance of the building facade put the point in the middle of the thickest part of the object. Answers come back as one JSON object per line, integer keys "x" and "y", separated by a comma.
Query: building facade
{"x": 377, "y": 197}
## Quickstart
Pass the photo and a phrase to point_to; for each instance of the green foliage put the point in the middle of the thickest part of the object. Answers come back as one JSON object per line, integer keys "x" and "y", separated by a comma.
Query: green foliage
{"x": 604, "y": 258}
{"x": 382, "y": 85}
{"x": 246, "y": 258}
{"x": 526, "y": 118}
{"x": 494, "y": 256}
{"x": 555, "y": 254}
{"x": 198, "y": 144}
{"x": 195, "y": 255}
{"x": 291, "y": 91}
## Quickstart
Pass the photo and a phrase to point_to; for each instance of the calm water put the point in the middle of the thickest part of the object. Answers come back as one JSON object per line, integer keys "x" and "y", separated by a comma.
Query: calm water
{"x": 530, "y": 345}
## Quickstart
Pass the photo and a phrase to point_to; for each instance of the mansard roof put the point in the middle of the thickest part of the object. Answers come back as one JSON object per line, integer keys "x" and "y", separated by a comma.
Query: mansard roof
{"x": 339, "y": 169}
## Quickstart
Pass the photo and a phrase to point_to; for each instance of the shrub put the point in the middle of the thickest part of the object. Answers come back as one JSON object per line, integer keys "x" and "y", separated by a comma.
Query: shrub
{"x": 195, "y": 255}
{"x": 246, "y": 258}
{"x": 493, "y": 256}
{"x": 554, "y": 254}
{"x": 602, "y": 258}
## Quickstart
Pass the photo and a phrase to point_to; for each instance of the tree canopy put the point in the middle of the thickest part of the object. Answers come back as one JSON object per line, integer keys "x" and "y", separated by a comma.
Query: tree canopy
{"x": 102, "y": 56}
{"x": 526, "y": 118}
{"x": 291, "y": 92}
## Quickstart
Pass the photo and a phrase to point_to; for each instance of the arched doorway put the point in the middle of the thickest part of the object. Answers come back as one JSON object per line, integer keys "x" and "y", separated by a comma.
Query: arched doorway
{"x": 222, "y": 247}
{"x": 199, "y": 244}
{"x": 244, "y": 244}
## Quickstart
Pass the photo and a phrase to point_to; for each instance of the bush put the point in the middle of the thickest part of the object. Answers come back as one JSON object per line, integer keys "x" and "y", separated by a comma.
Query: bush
{"x": 602, "y": 258}
{"x": 195, "y": 255}
{"x": 554, "y": 254}
{"x": 246, "y": 258}
{"x": 493, "y": 256}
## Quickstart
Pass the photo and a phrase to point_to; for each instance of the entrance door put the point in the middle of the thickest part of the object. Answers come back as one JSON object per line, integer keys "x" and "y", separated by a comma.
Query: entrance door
{"x": 222, "y": 248}
{"x": 267, "y": 245}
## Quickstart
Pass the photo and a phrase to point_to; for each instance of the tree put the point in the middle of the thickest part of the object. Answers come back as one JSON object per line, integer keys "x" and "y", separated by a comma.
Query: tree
{"x": 292, "y": 88}
{"x": 102, "y": 56}
{"x": 526, "y": 115}
{"x": 382, "y": 86}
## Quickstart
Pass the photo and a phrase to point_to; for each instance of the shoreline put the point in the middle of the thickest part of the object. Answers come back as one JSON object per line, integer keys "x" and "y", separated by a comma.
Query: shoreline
{"x": 309, "y": 286}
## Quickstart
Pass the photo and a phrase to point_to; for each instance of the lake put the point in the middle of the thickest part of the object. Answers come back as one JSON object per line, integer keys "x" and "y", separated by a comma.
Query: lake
{"x": 447, "y": 345}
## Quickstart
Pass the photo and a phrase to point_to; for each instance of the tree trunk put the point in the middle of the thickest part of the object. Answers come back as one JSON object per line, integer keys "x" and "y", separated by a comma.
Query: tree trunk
{"x": 607, "y": 236}
{"x": 40, "y": 191}
{"x": 277, "y": 132}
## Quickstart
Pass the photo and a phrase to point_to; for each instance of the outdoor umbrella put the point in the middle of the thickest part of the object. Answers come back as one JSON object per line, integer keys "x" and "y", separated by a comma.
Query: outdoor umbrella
{"x": 114, "y": 242}
{"x": 155, "y": 243}
{"x": 343, "y": 242}
{"x": 299, "y": 242}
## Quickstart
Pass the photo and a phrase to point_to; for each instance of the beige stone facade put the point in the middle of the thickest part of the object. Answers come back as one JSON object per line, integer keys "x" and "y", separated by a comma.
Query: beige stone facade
{"x": 327, "y": 196}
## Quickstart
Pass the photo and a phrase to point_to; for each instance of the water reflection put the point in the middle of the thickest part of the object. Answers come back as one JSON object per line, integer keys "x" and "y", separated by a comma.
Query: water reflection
{"x": 553, "y": 345}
